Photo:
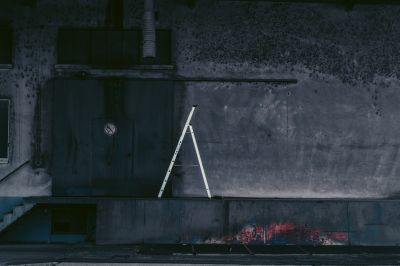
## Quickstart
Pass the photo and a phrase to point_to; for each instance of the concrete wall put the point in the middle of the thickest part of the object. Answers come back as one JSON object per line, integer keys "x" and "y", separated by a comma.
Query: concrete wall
{"x": 333, "y": 134}
{"x": 35, "y": 30}
{"x": 258, "y": 222}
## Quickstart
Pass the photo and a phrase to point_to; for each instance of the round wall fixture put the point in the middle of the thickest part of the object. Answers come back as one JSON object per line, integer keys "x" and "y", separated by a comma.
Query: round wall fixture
{"x": 110, "y": 129}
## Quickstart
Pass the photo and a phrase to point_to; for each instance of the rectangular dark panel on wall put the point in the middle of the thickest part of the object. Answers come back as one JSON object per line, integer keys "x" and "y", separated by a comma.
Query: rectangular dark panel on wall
{"x": 99, "y": 47}
{"x": 6, "y": 44}
{"x": 111, "y": 137}
{"x": 115, "y": 48}
{"x": 73, "y": 46}
{"x": 98, "y": 51}
{"x": 131, "y": 47}
{"x": 4, "y": 129}
{"x": 115, "y": 14}
{"x": 110, "y": 48}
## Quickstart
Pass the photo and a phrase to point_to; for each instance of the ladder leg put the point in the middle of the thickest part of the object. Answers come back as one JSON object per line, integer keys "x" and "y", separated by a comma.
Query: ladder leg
{"x": 200, "y": 162}
{"x": 178, "y": 146}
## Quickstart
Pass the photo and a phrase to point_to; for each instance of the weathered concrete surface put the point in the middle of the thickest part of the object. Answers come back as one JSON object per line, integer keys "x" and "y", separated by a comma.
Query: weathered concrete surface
{"x": 333, "y": 134}
{"x": 253, "y": 222}
{"x": 34, "y": 55}
{"x": 153, "y": 221}
{"x": 314, "y": 139}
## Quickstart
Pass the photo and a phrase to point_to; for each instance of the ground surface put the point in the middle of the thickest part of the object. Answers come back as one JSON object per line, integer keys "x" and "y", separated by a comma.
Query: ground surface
{"x": 204, "y": 255}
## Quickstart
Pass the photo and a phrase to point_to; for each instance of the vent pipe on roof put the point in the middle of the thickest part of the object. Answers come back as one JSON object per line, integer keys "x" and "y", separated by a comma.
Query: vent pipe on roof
{"x": 149, "y": 30}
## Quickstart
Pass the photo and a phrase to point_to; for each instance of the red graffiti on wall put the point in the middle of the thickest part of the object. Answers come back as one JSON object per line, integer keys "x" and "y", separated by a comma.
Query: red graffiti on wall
{"x": 283, "y": 233}
{"x": 278, "y": 229}
{"x": 247, "y": 234}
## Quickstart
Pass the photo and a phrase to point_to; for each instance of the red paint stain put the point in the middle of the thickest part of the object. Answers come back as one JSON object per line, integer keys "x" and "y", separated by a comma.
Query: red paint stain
{"x": 339, "y": 236}
{"x": 248, "y": 234}
{"x": 275, "y": 229}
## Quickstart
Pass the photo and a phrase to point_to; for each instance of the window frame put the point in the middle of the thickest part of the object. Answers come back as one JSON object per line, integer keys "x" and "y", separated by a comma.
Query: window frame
{"x": 7, "y": 159}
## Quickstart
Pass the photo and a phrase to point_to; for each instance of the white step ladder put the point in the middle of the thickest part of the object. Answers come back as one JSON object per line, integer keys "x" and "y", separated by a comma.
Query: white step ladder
{"x": 184, "y": 131}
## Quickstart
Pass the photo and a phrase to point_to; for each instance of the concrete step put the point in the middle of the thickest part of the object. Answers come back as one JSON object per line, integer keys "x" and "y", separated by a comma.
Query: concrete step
{"x": 8, "y": 218}
{"x": 28, "y": 206}
{"x": 14, "y": 215}
{"x": 19, "y": 210}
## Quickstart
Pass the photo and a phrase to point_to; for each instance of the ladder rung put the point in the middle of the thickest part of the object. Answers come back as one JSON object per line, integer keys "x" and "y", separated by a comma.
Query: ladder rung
{"x": 187, "y": 165}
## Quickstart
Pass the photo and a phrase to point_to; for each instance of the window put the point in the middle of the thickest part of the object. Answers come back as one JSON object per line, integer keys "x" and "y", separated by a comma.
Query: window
{"x": 4, "y": 129}
{"x": 74, "y": 47}
{"x": 105, "y": 48}
{"x": 110, "y": 48}
{"x": 69, "y": 220}
{"x": 115, "y": 48}
{"x": 5, "y": 46}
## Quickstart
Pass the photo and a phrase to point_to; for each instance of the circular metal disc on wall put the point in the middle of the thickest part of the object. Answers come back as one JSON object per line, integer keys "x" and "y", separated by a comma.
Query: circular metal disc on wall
{"x": 110, "y": 129}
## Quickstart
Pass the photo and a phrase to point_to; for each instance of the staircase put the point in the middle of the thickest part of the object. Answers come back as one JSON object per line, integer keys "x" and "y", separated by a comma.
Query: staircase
{"x": 12, "y": 216}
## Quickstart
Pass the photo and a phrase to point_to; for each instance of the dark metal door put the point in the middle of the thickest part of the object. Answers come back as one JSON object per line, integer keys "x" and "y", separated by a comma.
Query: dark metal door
{"x": 88, "y": 161}
{"x": 112, "y": 157}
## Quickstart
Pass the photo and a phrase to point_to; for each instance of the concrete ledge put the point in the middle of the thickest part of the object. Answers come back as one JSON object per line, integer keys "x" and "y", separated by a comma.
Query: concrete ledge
{"x": 89, "y": 67}
{"x": 94, "y": 200}
{"x": 315, "y": 222}
{"x": 6, "y": 66}
{"x": 86, "y": 71}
